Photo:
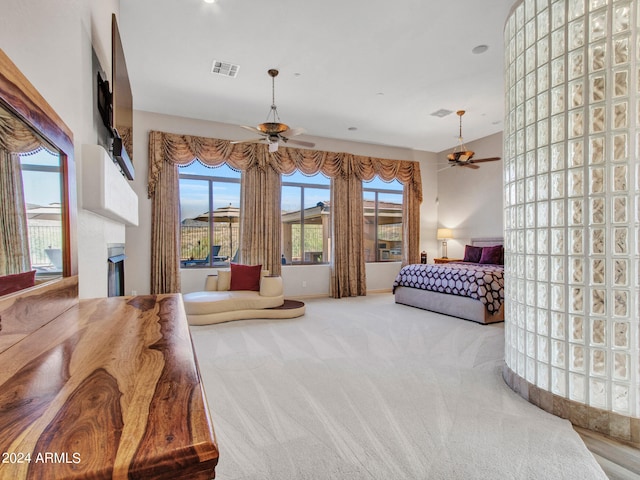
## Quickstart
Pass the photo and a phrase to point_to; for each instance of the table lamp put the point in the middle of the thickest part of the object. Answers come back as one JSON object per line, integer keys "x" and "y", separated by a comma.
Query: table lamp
{"x": 444, "y": 234}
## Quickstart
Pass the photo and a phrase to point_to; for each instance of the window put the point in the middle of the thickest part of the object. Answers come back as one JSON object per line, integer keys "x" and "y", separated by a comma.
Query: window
{"x": 209, "y": 215}
{"x": 382, "y": 221}
{"x": 42, "y": 196}
{"x": 306, "y": 225}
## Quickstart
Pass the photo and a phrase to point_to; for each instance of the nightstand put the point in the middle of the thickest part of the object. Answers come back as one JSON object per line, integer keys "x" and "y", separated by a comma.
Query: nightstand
{"x": 446, "y": 260}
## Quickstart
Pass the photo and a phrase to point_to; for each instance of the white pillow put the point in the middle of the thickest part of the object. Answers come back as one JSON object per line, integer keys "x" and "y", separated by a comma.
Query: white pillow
{"x": 224, "y": 280}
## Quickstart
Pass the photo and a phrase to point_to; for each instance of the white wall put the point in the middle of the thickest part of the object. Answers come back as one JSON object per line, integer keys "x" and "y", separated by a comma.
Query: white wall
{"x": 315, "y": 277}
{"x": 470, "y": 202}
{"x": 51, "y": 42}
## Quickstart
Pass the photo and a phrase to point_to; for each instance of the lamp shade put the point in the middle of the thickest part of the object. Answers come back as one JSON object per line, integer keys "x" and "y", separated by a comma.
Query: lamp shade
{"x": 444, "y": 233}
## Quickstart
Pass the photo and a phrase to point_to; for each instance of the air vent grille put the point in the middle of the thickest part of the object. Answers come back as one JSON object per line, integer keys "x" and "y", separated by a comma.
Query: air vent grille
{"x": 442, "y": 113}
{"x": 226, "y": 69}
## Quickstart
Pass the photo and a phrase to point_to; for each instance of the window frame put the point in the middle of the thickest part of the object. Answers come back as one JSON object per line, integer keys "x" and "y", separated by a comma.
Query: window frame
{"x": 376, "y": 191}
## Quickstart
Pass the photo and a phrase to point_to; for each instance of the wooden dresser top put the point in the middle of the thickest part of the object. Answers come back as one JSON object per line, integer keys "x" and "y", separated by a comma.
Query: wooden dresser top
{"x": 109, "y": 388}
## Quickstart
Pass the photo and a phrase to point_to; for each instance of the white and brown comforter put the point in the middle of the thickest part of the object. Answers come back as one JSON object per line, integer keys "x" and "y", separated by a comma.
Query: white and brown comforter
{"x": 479, "y": 281}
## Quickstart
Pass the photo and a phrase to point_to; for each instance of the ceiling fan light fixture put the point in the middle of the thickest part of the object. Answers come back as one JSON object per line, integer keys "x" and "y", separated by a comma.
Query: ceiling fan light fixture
{"x": 273, "y": 128}
{"x": 460, "y": 153}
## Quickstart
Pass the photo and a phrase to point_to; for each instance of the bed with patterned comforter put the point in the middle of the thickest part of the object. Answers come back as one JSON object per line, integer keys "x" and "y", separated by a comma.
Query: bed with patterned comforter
{"x": 481, "y": 282}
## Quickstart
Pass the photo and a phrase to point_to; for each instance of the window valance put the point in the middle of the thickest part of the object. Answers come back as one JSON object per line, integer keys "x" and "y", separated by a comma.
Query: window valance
{"x": 183, "y": 149}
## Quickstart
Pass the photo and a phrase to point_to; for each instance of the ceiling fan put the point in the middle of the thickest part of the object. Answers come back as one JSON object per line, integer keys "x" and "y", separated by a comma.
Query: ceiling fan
{"x": 273, "y": 132}
{"x": 461, "y": 157}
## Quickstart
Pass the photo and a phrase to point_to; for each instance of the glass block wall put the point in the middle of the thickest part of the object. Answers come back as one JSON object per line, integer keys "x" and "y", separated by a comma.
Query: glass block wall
{"x": 571, "y": 199}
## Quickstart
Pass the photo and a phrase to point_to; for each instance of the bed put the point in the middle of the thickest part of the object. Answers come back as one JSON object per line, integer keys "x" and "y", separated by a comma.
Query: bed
{"x": 469, "y": 290}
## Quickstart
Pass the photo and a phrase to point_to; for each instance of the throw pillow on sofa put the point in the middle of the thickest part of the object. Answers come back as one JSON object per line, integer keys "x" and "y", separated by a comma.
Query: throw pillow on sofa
{"x": 245, "y": 277}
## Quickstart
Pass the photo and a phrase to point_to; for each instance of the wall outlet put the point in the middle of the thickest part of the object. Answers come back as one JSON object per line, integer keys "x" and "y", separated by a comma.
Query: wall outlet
{"x": 304, "y": 284}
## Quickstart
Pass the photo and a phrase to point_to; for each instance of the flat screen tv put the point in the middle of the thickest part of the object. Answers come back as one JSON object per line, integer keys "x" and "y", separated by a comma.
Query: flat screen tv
{"x": 122, "y": 104}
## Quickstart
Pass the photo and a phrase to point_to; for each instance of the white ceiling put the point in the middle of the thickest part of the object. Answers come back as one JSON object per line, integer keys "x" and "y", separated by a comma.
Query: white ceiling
{"x": 381, "y": 66}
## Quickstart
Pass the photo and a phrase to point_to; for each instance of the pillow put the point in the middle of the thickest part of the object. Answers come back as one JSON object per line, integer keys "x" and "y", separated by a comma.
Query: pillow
{"x": 224, "y": 280}
{"x": 245, "y": 277}
{"x": 472, "y": 254}
{"x": 492, "y": 255}
{"x": 17, "y": 281}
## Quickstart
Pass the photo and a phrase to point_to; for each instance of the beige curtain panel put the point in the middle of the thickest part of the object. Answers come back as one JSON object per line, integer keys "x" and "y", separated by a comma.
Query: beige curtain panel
{"x": 15, "y": 139}
{"x": 260, "y": 168}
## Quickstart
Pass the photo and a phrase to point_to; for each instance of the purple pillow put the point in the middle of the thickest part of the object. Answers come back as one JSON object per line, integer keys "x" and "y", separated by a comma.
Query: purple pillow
{"x": 492, "y": 255}
{"x": 472, "y": 254}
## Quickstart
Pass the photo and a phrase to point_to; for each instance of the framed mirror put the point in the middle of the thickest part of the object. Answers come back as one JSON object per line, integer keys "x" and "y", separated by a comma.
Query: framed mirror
{"x": 37, "y": 183}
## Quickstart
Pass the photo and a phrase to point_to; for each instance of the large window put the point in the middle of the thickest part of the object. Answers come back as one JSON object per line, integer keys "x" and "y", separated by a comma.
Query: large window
{"x": 306, "y": 226}
{"x": 382, "y": 221}
{"x": 209, "y": 215}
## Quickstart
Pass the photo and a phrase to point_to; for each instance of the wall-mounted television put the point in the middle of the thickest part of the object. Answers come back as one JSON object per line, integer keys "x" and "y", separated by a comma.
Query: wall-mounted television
{"x": 122, "y": 105}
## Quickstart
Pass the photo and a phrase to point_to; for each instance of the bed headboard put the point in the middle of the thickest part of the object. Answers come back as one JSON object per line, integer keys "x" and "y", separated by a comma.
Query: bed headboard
{"x": 487, "y": 242}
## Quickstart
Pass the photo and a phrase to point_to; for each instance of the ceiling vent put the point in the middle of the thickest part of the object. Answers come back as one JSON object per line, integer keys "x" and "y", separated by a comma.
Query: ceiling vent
{"x": 225, "y": 68}
{"x": 442, "y": 113}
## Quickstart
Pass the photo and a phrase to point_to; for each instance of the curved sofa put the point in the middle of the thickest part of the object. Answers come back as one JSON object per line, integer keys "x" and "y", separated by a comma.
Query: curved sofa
{"x": 217, "y": 304}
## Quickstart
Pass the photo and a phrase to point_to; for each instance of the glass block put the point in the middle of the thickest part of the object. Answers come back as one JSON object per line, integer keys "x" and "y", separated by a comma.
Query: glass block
{"x": 557, "y": 241}
{"x": 597, "y": 241}
{"x": 576, "y": 182}
{"x": 597, "y": 119}
{"x": 620, "y": 115}
{"x": 542, "y": 51}
{"x": 576, "y": 124}
{"x": 621, "y": 272}
{"x": 542, "y": 20}
{"x": 597, "y": 56}
{"x": 530, "y": 166}
{"x": 557, "y": 44}
{"x": 621, "y": 245}
{"x": 577, "y": 358}
{"x": 595, "y": 4}
{"x": 576, "y": 156}
{"x": 542, "y": 270}
{"x": 577, "y": 387}
{"x": 597, "y": 393}
{"x": 543, "y": 215}
{"x": 598, "y": 362}
{"x": 598, "y": 85}
{"x": 530, "y": 112}
{"x": 596, "y": 150}
{"x": 598, "y": 271}
{"x": 576, "y": 64}
{"x": 558, "y": 14}
{"x": 543, "y": 83}
{"x": 621, "y": 366}
{"x": 557, "y": 213}
{"x": 558, "y": 329}
{"x": 576, "y": 274}
{"x": 576, "y": 212}
{"x": 598, "y": 332}
{"x": 558, "y": 385}
{"x": 543, "y": 349}
{"x": 543, "y": 325}
{"x": 557, "y": 100}
{"x": 558, "y": 353}
{"x": 621, "y": 51}
{"x": 557, "y": 269}
{"x": 621, "y": 83}
{"x": 576, "y": 34}
{"x": 597, "y": 179}
{"x": 557, "y": 185}
{"x": 577, "y": 241}
{"x": 531, "y": 268}
{"x": 621, "y": 18}
{"x": 557, "y": 297}
{"x": 621, "y": 334}
{"x": 620, "y": 209}
{"x": 621, "y": 403}
{"x": 543, "y": 160}
{"x": 577, "y": 331}
{"x": 543, "y": 377}
{"x": 531, "y": 370}
{"x": 577, "y": 299}
{"x": 530, "y": 190}
{"x": 597, "y": 210}
{"x": 530, "y": 33}
{"x": 620, "y": 147}
{"x": 598, "y": 301}
{"x": 557, "y": 157}
{"x": 576, "y": 94}
{"x": 598, "y": 26}
{"x": 620, "y": 303}
{"x": 531, "y": 241}
{"x": 543, "y": 133}
{"x": 619, "y": 178}
{"x": 530, "y": 138}
{"x": 576, "y": 8}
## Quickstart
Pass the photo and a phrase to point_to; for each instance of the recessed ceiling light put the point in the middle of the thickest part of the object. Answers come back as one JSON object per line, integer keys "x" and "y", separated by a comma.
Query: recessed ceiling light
{"x": 352, "y": 129}
{"x": 209, "y": 1}
{"x": 443, "y": 112}
{"x": 480, "y": 49}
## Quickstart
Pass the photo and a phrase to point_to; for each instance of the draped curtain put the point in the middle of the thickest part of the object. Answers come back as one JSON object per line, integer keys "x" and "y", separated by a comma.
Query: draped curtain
{"x": 261, "y": 199}
{"x": 15, "y": 139}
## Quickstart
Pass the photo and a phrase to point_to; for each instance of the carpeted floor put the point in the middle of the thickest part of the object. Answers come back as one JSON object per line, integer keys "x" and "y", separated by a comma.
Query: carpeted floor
{"x": 362, "y": 388}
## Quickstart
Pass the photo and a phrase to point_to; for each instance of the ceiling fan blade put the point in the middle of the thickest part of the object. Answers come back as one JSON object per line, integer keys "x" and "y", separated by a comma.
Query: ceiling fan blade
{"x": 447, "y": 167}
{"x": 470, "y": 165}
{"x": 252, "y": 140}
{"x": 480, "y": 160}
{"x": 301, "y": 143}
{"x": 252, "y": 129}
{"x": 292, "y": 132}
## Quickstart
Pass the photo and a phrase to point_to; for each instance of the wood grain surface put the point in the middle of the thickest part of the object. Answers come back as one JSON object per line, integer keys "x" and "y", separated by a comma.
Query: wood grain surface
{"x": 108, "y": 389}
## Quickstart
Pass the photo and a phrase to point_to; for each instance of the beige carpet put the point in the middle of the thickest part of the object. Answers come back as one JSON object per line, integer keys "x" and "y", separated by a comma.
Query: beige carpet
{"x": 363, "y": 388}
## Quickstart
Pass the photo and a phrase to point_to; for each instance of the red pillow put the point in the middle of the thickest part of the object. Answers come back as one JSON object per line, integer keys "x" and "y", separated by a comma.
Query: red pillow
{"x": 472, "y": 254}
{"x": 245, "y": 277}
{"x": 17, "y": 281}
{"x": 492, "y": 255}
